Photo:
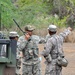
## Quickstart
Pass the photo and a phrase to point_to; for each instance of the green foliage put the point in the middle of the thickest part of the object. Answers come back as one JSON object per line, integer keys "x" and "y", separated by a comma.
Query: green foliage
{"x": 52, "y": 20}
{"x": 30, "y": 10}
{"x": 34, "y": 12}
{"x": 7, "y": 13}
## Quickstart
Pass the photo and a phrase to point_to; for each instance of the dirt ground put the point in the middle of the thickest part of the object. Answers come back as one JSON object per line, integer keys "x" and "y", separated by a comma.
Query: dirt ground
{"x": 69, "y": 51}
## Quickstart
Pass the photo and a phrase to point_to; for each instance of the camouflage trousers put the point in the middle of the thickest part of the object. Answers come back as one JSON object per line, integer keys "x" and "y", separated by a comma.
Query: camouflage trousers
{"x": 53, "y": 69}
{"x": 33, "y": 69}
{"x": 18, "y": 67}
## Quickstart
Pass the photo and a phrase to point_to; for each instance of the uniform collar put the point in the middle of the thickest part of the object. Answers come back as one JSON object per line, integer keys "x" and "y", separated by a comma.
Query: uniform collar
{"x": 53, "y": 35}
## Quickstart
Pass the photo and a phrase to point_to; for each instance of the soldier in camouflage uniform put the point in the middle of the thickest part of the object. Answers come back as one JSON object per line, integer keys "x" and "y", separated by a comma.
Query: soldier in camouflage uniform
{"x": 50, "y": 51}
{"x": 29, "y": 52}
{"x": 47, "y": 37}
{"x": 14, "y": 35}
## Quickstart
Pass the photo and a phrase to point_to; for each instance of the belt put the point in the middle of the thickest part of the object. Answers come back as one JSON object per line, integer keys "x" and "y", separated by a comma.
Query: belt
{"x": 31, "y": 63}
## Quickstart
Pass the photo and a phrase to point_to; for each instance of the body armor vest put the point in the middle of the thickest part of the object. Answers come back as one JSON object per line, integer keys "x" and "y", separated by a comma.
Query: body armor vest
{"x": 31, "y": 50}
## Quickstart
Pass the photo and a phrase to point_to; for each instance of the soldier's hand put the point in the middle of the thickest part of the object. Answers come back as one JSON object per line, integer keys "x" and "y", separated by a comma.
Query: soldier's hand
{"x": 70, "y": 28}
{"x": 21, "y": 54}
{"x": 27, "y": 36}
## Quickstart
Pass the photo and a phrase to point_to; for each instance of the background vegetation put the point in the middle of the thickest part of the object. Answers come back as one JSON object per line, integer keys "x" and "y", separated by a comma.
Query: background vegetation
{"x": 39, "y": 13}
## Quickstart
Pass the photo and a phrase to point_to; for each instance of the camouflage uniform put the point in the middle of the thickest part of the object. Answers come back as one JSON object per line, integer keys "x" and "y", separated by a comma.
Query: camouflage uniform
{"x": 50, "y": 53}
{"x": 47, "y": 37}
{"x": 30, "y": 61}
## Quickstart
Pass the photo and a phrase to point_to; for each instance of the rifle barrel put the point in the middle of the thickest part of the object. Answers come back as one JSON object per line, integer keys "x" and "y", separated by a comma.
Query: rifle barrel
{"x": 18, "y": 26}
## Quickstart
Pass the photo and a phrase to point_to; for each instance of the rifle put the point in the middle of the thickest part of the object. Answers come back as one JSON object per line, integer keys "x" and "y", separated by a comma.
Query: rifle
{"x": 18, "y": 26}
{"x": 21, "y": 57}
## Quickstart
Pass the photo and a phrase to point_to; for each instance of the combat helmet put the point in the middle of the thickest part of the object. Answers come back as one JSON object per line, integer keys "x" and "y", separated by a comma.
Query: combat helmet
{"x": 52, "y": 28}
{"x": 13, "y": 34}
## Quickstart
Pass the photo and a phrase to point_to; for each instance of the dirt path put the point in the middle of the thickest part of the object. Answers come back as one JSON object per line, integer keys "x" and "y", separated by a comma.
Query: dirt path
{"x": 69, "y": 51}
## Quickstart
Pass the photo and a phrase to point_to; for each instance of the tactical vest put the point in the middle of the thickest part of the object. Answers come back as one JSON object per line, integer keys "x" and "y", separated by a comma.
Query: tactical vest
{"x": 31, "y": 50}
{"x": 54, "y": 51}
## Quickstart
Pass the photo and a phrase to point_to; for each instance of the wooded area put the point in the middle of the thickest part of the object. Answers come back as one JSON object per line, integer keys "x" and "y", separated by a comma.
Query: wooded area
{"x": 39, "y": 13}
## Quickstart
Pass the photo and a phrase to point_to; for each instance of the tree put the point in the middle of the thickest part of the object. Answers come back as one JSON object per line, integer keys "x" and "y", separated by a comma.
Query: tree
{"x": 8, "y": 11}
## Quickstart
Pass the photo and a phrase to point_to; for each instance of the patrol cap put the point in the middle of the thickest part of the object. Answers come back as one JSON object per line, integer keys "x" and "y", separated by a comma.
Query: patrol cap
{"x": 29, "y": 28}
{"x": 52, "y": 28}
{"x": 13, "y": 34}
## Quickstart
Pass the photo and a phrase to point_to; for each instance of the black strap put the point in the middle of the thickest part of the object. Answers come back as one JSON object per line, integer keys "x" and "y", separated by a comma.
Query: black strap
{"x": 23, "y": 51}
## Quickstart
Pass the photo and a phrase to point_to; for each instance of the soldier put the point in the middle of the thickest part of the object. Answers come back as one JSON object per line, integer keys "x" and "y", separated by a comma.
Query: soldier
{"x": 47, "y": 37}
{"x": 14, "y": 35}
{"x": 50, "y": 51}
{"x": 29, "y": 52}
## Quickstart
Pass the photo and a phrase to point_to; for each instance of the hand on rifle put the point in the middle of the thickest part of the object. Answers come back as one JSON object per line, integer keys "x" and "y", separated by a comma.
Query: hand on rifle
{"x": 27, "y": 36}
{"x": 21, "y": 55}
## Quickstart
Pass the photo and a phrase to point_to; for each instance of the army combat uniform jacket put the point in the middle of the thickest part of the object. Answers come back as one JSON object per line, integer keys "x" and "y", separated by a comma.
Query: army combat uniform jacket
{"x": 31, "y": 63}
{"x": 50, "y": 53}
